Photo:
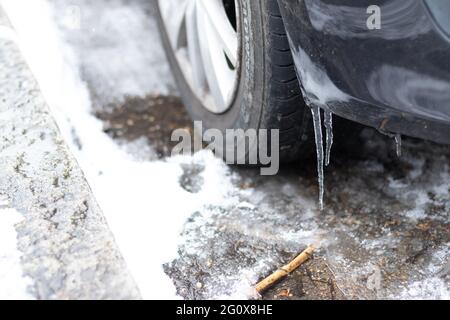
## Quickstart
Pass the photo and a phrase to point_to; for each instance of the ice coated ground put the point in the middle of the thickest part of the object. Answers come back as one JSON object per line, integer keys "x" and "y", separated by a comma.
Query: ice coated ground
{"x": 191, "y": 227}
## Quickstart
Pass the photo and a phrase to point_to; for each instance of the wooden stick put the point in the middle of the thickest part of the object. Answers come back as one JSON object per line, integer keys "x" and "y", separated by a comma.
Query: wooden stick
{"x": 268, "y": 282}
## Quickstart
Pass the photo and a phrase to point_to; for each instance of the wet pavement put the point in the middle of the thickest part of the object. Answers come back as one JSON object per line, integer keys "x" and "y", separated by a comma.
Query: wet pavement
{"x": 385, "y": 229}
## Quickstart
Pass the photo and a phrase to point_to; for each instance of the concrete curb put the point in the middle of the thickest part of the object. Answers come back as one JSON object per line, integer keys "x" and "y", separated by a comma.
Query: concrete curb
{"x": 68, "y": 249}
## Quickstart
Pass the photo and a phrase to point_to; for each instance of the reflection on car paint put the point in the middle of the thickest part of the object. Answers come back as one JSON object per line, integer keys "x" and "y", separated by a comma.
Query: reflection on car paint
{"x": 400, "y": 20}
{"x": 397, "y": 86}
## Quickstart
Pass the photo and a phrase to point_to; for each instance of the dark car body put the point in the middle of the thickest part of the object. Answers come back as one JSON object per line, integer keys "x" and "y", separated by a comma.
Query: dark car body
{"x": 396, "y": 78}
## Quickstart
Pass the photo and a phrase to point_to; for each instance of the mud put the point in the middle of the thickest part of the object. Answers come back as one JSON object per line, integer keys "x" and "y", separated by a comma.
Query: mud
{"x": 152, "y": 118}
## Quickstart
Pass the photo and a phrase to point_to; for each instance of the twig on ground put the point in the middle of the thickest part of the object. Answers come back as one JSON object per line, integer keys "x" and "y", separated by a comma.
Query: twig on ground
{"x": 335, "y": 280}
{"x": 268, "y": 282}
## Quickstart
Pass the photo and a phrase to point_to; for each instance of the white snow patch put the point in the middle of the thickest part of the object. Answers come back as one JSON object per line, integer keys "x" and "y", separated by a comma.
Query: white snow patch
{"x": 433, "y": 286}
{"x": 13, "y": 284}
{"x": 429, "y": 289}
{"x": 7, "y": 33}
{"x": 243, "y": 284}
{"x": 139, "y": 149}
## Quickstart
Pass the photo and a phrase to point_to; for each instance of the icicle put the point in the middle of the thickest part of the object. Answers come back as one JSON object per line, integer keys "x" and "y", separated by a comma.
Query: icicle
{"x": 398, "y": 144}
{"x": 398, "y": 141}
{"x": 328, "y": 119}
{"x": 317, "y": 120}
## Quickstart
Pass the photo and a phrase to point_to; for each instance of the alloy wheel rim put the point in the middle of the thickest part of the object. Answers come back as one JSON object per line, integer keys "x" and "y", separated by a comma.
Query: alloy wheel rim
{"x": 204, "y": 36}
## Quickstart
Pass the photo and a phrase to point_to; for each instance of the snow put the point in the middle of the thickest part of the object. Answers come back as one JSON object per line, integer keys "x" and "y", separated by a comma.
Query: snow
{"x": 143, "y": 201}
{"x": 134, "y": 197}
{"x": 434, "y": 287}
{"x": 13, "y": 284}
{"x": 103, "y": 26}
{"x": 7, "y": 33}
{"x": 428, "y": 289}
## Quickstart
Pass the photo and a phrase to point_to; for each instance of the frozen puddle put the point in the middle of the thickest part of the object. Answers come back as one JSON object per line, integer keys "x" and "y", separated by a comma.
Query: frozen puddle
{"x": 13, "y": 284}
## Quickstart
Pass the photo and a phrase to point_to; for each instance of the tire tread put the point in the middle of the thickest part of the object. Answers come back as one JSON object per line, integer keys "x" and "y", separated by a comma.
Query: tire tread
{"x": 286, "y": 109}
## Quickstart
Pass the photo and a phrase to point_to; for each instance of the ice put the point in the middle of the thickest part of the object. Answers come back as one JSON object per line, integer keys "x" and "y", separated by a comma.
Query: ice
{"x": 317, "y": 120}
{"x": 398, "y": 144}
{"x": 398, "y": 141}
{"x": 328, "y": 120}
{"x": 323, "y": 156}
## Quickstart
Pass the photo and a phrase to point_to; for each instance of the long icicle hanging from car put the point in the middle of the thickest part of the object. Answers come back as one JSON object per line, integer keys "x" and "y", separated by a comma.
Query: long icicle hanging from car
{"x": 317, "y": 121}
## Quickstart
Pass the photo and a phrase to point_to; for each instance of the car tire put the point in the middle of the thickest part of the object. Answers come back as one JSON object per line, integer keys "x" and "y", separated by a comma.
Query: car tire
{"x": 268, "y": 94}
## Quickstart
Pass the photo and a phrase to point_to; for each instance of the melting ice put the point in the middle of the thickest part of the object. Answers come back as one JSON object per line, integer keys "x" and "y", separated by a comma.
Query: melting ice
{"x": 398, "y": 144}
{"x": 328, "y": 120}
{"x": 322, "y": 158}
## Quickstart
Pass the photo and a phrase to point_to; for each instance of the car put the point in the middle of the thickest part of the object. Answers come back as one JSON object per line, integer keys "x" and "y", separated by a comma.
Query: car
{"x": 267, "y": 63}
